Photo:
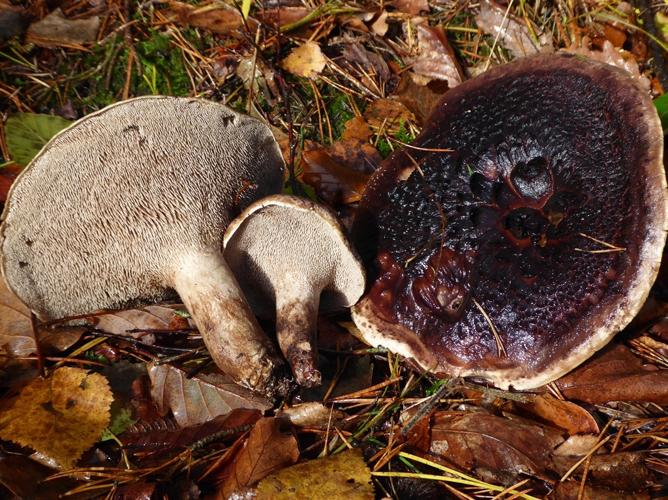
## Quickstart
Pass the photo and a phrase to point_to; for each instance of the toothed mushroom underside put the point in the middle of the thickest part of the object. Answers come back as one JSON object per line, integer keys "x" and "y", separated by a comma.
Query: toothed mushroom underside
{"x": 523, "y": 230}
{"x": 130, "y": 204}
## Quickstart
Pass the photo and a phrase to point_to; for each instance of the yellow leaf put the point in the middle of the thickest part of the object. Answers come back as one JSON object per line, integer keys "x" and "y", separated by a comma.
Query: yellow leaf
{"x": 60, "y": 416}
{"x": 306, "y": 60}
{"x": 340, "y": 477}
{"x": 245, "y": 8}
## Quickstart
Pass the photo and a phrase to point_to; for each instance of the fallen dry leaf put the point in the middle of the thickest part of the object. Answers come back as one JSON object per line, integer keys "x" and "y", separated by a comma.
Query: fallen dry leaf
{"x": 563, "y": 414}
{"x": 16, "y": 336}
{"x": 369, "y": 67}
{"x": 512, "y": 33}
{"x": 610, "y": 54}
{"x": 216, "y": 17}
{"x": 412, "y": 7}
{"x": 313, "y": 415}
{"x": 56, "y": 30}
{"x": 307, "y": 60}
{"x": 387, "y": 115}
{"x": 477, "y": 441}
{"x": 226, "y": 426}
{"x": 332, "y": 178}
{"x": 570, "y": 490}
{"x": 615, "y": 374}
{"x": 419, "y": 99}
{"x": 201, "y": 398}
{"x": 435, "y": 60}
{"x": 268, "y": 449}
{"x": 146, "y": 318}
{"x": 60, "y": 416}
{"x": 281, "y": 16}
{"x": 340, "y": 477}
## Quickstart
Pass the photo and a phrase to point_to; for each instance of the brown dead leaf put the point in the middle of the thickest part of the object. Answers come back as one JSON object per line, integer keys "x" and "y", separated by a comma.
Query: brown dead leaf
{"x": 356, "y": 129}
{"x": 16, "y": 336}
{"x": 227, "y": 426}
{"x": 307, "y": 60}
{"x": 570, "y": 490}
{"x": 387, "y": 115}
{"x": 615, "y": 374}
{"x": 480, "y": 441}
{"x": 435, "y": 60}
{"x": 269, "y": 448}
{"x": 13, "y": 20}
{"x": 332, "y": 178}
{"x": 380, "y": 26}
{"x": 201, "y": 398}
{"x": 563, "y": 414}
{"x": 281, "y": 16}
{"x": 216, "y": 17}
{"x": 618, "y": 471}
{"x": 610, "y": 54}
{"x": 369, "y": 67}
{"x": 512, "y": 33}
{"x": 56, "y": 30}
{"x": 419, "y": 99}
{"x": 412, "y": 7}
{"x": 60, "y": 416}
{"x": 146, "y": 318}
{"x": 313, "y": 416}
{"x": 340, "y": 477}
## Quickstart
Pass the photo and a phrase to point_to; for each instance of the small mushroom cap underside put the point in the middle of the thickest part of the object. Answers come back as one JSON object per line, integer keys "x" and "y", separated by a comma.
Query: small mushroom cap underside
{"x": 525, "y": 249}
{"x": 104, "y": 213}
{"x": 288, "y": 243}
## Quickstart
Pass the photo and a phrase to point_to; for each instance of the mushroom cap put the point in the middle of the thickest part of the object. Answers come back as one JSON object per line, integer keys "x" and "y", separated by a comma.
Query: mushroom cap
{"x": 527, "y": 247}
{"x": 286, "y": 242}
{"x": 104, "y": 213}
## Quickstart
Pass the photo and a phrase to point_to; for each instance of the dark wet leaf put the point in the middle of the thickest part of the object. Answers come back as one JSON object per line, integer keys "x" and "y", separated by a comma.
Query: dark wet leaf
{"x": 222, "y": 428}
{"x": 201, "y": 398}
{"x": 270, "y": 447}
{"x": 563, "y": 414}
{"x": 615, "y": 374}
{"x": 477, "y": 441}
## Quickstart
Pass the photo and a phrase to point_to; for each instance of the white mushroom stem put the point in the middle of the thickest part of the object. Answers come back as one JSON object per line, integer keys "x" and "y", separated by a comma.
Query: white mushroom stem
{"x": 230, "y": 331}
{"x": 296, "y": 322}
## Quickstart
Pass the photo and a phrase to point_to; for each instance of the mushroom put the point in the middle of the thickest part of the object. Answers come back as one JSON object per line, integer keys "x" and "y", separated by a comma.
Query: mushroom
{"x": 522, "y": 229}
{"x": 129, "y": 204}
{"x": 290, "y": 256}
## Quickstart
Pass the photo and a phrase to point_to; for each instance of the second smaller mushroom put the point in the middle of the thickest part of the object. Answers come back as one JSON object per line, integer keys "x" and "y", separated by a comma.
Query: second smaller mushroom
{"x": 291, "y": 258}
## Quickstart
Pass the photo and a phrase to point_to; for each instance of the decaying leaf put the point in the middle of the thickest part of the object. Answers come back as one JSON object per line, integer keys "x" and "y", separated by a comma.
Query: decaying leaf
{"x": 226, "y": 427}
{"x": 615, "y": 374}
{"x": 387, "y": 115}
{"x": 201, "y": 398}
{"x": 60, "y": 416}
{"x": 477, "y": 441}
{"x": 512, "y": 33}
{"x": 56, "y": 30}
{"x": 435, "y": 60}
{"x": 412, "y": 7}
{"x": 313, "y": 415}
{"x": 307, "y": 60}
{"x": 27, "y": 133}
{"x": 269, "y": 448}
{"x": 610, "y": 54}
{"x": 340, "y": 477}
{"x": 419, "y": 99}
{"x": 146, "y": 318}
{"x": 281, "y": 16}
{"x": 332, "y": 179}
{"x": 563, "y": 414}
{"x": 16, "y": 335}
{"x": 13, "y": 20}
{"x": 216, "y": 17}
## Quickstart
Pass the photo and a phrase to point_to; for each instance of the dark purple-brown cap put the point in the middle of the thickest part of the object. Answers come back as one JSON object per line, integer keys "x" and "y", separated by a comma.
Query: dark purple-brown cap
{"x": 522, "y": 229}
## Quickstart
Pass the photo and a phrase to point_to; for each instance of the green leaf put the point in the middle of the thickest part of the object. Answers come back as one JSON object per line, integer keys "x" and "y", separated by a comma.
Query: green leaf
{"x": 661, "y": 104}
{"x": 27, "y": 133}
{"x": 245, "y": 8}
{"x": 121, "y": 419}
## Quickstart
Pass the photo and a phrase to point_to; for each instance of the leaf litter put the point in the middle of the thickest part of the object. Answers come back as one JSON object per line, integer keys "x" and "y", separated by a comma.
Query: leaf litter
{"x": 344, "y": 84}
